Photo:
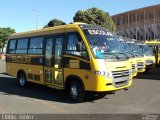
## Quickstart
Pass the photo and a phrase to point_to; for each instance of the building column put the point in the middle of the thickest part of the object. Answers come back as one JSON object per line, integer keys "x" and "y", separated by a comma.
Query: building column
{"x": 121, "y": 24}
{"x": 136, "y": 25}
{"x": 128, "y": 24}
{"x": 116, "y": 23}
{"x": 144, "y": 37}
{"x": 154, "y": 22}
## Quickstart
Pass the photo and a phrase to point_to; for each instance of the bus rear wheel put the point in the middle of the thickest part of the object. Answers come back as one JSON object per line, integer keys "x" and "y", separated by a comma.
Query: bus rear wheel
{"x": 22, "y": 80}
{"x": 76, "y": 92}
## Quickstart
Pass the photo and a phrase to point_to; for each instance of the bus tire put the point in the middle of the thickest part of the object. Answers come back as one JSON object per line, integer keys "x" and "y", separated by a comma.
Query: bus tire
{"x": 22, "y": 80}
{"x": 76, "y": 92}
{"x": 146, "y": 71}
{"x": 102, "y": 94}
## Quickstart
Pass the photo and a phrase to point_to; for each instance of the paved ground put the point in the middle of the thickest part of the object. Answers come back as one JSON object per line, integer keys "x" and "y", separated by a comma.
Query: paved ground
{"x": 142, "y": 97}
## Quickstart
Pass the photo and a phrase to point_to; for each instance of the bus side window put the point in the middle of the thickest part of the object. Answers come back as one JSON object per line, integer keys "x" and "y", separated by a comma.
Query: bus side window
{"x": 36, "y": 45}
{"x": 12, "y": 46}
{"x": 22, "y": 45}
{"x": 72, "y": 40}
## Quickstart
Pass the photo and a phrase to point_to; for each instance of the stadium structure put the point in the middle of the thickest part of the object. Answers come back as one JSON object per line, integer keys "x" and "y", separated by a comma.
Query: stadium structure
{"x": 140, "y": 24}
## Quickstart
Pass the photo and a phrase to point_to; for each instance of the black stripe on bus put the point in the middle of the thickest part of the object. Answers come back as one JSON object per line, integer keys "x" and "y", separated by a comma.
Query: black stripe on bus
{"x": 82, "y": 64}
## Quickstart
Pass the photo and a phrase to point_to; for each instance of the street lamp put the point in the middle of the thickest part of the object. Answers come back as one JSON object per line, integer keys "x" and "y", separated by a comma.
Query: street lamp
{"x": 36, "y": 14}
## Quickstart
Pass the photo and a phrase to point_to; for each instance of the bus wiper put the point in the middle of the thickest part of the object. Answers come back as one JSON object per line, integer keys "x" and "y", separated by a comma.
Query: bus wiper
{"x": 127, "y": 55}
{"x": 111, "y": 54}
{"x": 139, "y": 54}
{"x": 133, "y": 54}
{"x": 123, "y": 54}
{"x": 120, "y": 53}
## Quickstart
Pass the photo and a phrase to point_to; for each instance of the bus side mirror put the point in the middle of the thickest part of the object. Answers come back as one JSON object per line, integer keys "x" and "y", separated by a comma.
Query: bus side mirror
{"x": 79, "y": 46}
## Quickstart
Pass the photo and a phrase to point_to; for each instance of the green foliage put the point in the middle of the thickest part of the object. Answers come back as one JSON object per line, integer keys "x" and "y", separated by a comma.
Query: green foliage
{"x": 95, "y": 16}
{"x": 4, "y": 34}
{"x": 54, "y": 22}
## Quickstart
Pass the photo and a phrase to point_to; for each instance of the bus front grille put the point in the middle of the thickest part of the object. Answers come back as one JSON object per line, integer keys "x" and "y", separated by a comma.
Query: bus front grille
{"x": 133, "y": 68}
{"x": 149, "y": 62}
{"x": 120, "y": 78}
{"x": 118, "y": 74}
{"x": 140, "y": 65}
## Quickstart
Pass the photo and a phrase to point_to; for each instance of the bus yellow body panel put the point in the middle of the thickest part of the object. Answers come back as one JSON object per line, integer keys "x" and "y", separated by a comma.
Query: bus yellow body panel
{"x": 141, "y": 64}
{"x": 150, "y": 62}
{"x": 134, "y": 66}
{"x": 156, "y": 45}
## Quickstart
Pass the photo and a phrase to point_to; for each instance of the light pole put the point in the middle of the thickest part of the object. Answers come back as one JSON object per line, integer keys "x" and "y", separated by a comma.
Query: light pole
{"x": 36, "y": 14}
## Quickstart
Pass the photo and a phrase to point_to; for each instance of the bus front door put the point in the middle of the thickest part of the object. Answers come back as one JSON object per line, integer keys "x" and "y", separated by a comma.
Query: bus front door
{"x": 49, "y": 60}
{"x": 53, "y": 61}
{"x": 58, "y": 69}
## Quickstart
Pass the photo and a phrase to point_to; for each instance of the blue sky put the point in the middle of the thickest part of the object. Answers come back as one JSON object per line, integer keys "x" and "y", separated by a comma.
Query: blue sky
{"x": 18, "y": 14}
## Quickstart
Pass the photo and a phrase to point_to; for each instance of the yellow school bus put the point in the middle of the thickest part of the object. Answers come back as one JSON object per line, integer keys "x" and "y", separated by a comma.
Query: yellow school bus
{"x": 130, "y": 54}
{"x": 141, "y": 65}
{"x": 156, "y": 49}
{"x": 148, "y": 55}
{"x": 76, "y": 57}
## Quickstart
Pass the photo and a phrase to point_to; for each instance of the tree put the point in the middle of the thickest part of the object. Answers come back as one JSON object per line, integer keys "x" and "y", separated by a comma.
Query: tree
{"x": 54, "y": 22}
{"x": 95, "y": 16}
{"x": 4, "y": 34}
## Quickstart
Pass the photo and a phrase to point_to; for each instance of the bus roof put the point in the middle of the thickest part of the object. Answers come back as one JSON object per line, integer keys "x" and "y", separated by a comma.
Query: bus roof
{"x": 153, "y": 43}
{"x": 44, "y": 31}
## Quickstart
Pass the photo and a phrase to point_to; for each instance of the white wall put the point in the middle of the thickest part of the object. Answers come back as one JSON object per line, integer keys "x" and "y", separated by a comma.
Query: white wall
{"x": 4, "y": 49}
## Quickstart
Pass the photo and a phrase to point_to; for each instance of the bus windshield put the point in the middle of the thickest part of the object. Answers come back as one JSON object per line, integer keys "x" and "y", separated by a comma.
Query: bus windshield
{"x": 104, "y": 45}
{"x": 147, "y": 50}
{"x": 127, "y": 49}
{"x": 135, "y": 49}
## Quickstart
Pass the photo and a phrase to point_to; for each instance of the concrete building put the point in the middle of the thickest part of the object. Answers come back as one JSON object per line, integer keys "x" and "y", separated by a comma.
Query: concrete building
{"x": 140, "y": 24}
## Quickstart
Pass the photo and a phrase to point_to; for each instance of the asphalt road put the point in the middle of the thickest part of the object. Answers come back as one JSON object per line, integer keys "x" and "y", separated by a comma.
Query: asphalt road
{"x": 141, "y": 98}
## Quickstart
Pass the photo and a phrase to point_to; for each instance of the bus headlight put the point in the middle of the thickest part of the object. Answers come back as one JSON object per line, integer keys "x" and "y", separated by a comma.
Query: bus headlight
{"x": 104, "y": 73}
{"x": 109, "y": 74}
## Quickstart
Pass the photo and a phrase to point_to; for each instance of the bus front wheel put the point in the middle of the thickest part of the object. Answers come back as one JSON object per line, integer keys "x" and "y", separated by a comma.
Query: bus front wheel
{"x": 22, "y": 80}
{"x": 102, "y": 95}
{"x": 76, "y": 92}
{"x": 146, "y": 71}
